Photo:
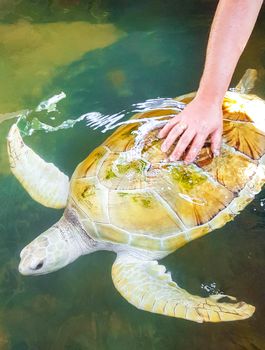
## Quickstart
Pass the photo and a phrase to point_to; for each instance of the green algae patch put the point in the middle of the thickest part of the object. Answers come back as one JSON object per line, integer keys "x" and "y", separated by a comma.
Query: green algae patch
{"x": 123, "y": 194}
{"x": 88, "y": 191}
{"x": 123, "y": 168}
{"x": 145, "y": 201}
{"x": 137, "y": 165}
{"x": 152, "y": 143}
{"x": 110, "y": 174}
{"x": 186, "y": 177}
{"x": 130, "y": 132}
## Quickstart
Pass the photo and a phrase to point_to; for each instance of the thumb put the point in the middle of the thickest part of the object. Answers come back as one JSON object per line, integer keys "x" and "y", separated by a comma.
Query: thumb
{"x": 216, "y": 140}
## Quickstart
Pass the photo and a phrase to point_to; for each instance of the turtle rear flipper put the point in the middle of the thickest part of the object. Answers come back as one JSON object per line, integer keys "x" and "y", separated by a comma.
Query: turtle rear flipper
{"x": 247, "y": 82}
{"x": 43, "y": 181}
{"x": 146, "y": 285}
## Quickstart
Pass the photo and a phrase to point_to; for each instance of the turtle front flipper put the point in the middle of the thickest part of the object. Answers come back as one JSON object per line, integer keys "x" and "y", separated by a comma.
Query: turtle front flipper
{"x": 146, "y": 285}
{"x": 44, "y": 182}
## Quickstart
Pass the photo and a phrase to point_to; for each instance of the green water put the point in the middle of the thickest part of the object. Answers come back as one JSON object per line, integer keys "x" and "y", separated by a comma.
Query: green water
{"x": 106, "y": 55}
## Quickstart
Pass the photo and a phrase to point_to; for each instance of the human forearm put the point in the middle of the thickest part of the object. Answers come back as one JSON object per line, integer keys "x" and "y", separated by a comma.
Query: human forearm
{"x": 202, "y": 118}
{"x": 233, "y": 23}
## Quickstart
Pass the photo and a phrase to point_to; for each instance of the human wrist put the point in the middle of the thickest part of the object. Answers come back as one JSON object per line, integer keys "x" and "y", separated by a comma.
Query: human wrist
{"x": 210, "y": 96}
{"x": 213, "y": 86}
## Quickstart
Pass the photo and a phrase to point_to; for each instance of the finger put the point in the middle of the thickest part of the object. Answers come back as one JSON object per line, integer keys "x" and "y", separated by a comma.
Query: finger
{"x": 166, "y": 129}
{"x": 172, "y": 136}
{"x": 216, "y": 140}
{"x": 195, "y": 148}
{"x": 182, "y": 144}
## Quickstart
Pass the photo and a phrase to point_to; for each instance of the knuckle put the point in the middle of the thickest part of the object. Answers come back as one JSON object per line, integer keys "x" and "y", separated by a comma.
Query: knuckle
{"x": 201, "y": 141}
{"x": 194, "y": 149}
{"x": 185, "y": 139}
{"x": 170, "y": 138}
{"x": 172, "y": 121}
{"x": 173, "y": 134}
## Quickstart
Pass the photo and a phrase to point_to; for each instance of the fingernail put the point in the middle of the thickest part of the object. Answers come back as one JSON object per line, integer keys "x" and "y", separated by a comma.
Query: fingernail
{"x": 159, "y": 135}
{"x": 176, "y": 157}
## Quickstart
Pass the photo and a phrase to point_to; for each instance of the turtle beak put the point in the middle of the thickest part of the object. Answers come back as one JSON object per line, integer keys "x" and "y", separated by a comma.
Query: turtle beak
{"x": 22, "y": 265}
{"x": 30, "y": 264}
{"x": 22, "y": 270}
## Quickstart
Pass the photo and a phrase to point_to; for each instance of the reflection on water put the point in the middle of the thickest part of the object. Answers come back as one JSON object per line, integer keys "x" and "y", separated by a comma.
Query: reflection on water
{"x": 107, "y": 56}
{"x": 33, "y": 53}
{"x": 29, "y": 122}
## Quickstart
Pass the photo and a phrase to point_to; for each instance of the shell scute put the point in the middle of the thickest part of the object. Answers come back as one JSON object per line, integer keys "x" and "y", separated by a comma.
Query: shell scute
{"x": 191, "y": 194}
{"x": 228, "y": 162}
{"x": 91, "y": 198}
{"x": 141, "y": 212}
{"x": 112, "y": 233}
{"x": 117, "y": 174}
{"x": 89, "y": 166}
{"x": 245, "y": 137}
{"x": 174, "y": 242}
{"x": 146, "y": 242}
{"x": 122, "y": 139}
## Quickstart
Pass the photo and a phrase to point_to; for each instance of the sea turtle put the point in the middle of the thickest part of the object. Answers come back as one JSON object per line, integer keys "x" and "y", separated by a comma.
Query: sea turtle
{"x": 127, "y": 197}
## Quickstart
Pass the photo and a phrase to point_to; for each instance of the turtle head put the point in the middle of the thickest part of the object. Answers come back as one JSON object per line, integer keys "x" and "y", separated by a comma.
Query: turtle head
{"x": 52, "y": 250}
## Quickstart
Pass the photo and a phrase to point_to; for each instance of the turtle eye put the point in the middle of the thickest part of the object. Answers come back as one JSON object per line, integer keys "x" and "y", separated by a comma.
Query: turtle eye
{"x": 38, "y": 266}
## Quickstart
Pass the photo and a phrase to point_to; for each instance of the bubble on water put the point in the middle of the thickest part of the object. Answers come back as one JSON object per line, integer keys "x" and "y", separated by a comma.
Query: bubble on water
{"x": 50, "y": 104}
{"x": 29, "y": 127}
{"x": 96, "y": 120}
{"x": 135, "y": 152}
{"x": 259, "y": 206}
{"x": 211, "y": 288}
{"x": 159, "y": 103}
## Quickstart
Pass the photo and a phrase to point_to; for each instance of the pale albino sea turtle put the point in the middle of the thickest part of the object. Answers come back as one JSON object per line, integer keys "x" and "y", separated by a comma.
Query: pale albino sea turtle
{"x": 128, "y": 198}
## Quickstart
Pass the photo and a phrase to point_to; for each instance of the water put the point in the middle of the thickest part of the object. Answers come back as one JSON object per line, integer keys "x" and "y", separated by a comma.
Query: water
{"x": 107, "y": 56}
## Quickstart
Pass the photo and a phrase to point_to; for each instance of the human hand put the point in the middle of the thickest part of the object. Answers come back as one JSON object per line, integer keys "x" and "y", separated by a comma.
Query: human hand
{"x": 193, "y": 126}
